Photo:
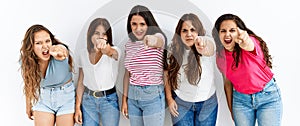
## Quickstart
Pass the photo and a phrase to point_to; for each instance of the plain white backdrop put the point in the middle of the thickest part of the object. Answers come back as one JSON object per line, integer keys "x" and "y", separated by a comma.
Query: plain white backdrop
{"x": 277, "y": 22}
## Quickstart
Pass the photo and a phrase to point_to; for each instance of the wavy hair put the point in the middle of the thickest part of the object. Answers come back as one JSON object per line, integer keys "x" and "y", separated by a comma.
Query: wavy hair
{"x": 193, "y": 68}
{"x": 237, "y": 49}
{"x": 30, "y": 71}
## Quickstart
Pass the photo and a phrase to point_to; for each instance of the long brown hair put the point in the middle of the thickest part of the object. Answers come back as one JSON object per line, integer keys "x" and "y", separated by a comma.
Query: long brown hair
{"x": 29, "y": 62}
{"x": 237, "y": 49}
{"x": 193, "y": 68}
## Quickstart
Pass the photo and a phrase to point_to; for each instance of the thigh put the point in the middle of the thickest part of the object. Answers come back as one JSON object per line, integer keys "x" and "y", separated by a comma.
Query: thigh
{"x": 185, "y": 118}
{"x": 109, "y": 110}
{"x": 269, "y": 111}
{"x": 207, "y": 111}
{"x": 186, "y": 115}
{"x": 65, "y": 120}
{"x": 242, "y": 109}
{"x": 135, "y": 113}
{"x": 43, "y": 118}
{"x": 89, "y": 110}
{"x": 154, "y": 111}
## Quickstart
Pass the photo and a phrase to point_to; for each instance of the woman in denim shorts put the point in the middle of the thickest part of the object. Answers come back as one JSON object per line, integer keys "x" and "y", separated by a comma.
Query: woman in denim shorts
{"x": 47, "y": 73}
{"x": 243, "y": 59}
{"x": 96, "y": 96}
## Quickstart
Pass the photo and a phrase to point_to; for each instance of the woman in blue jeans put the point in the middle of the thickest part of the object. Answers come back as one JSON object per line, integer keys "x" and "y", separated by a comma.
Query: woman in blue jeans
{"x": 143, "y": 100}
{"x": 243, "y": 59}
{"x": 96, "y": 98}
{"x": 190, "y": 86}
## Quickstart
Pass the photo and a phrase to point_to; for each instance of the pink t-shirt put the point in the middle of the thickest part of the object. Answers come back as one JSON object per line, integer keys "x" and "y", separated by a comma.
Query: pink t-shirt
{"x": 144, "y": 64}
{"x": 252, "y": 73}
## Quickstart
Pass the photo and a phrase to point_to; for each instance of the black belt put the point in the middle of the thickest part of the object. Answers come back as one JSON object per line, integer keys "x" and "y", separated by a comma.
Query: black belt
{"x": 98, "y": 94}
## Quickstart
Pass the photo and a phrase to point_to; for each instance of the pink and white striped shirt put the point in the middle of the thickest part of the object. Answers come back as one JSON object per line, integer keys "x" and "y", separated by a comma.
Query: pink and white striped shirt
{"x": 144, "y": 64}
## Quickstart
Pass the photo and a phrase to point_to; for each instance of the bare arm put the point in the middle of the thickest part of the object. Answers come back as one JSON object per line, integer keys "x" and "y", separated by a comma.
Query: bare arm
{"x": 79, "y": 94}
{"x": 28, "y": 108}
{"x": 124, "y": 108}
{"x": 228, "y": 92}
{"x": 170, "y": 101}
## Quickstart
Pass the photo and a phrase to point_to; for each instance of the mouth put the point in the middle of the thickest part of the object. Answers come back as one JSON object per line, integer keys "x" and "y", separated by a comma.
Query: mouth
{"x": 45, "y": 52}
{"x": 140, "y": 33}
{"x": 227, "y": 40}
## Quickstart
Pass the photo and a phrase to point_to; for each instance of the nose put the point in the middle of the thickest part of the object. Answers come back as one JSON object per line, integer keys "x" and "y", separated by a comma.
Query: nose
{"x": 45, "y": 45}
{"x": 189, "y": 33}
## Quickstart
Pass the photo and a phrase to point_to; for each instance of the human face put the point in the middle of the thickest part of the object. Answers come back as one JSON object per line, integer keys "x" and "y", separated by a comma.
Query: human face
{"x": 138, "y": 26}
{"x": 228, "y": 33}
{"x": 99, "y": 33}
{"x": 188, "y": 33}
{"x": 42, "y": 44}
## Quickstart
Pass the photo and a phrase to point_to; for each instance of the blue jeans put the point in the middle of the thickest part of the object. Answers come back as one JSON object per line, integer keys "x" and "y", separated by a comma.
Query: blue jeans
{"x": 104, "y": 109}
{"x": 202, "y": 113}
{"x": 146, "y": 105}
{"x": 265, "y": 106}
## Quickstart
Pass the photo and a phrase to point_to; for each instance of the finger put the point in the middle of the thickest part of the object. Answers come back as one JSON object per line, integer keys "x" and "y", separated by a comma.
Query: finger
{"x": 238, "y": 30}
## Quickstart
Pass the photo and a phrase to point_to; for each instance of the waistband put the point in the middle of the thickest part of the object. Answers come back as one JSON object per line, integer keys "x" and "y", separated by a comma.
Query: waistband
{"x": 62, "y": 87}
{"x": 98, "y": 94}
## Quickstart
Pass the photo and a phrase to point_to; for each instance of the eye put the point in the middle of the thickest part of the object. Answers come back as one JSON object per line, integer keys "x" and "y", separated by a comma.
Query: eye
{"x": 232, "y": 30}
{"x": 37, "y": 43}
{"x": 133, "y": 24}
{"x": 97, "y": 33}
{"x": 48, "y": 41}
{"x": 193, "y": 30}
{"x": 184, "y": 30}
{"x": 143, "y": 24}
{"x": 222, "y": 31}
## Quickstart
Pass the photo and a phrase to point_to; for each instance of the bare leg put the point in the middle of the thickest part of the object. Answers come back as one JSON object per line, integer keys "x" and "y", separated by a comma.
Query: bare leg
{"x": 43, "y": 118}
{"x": 65, "y": 120}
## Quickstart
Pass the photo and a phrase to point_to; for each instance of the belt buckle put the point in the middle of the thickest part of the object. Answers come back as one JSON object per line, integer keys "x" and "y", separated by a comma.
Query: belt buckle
{"x": 94, "y": 94}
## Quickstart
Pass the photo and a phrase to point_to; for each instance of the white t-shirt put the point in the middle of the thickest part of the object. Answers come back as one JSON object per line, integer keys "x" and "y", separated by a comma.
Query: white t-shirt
{"x": 102, "y": 75}
{"x": 205, "y": 88}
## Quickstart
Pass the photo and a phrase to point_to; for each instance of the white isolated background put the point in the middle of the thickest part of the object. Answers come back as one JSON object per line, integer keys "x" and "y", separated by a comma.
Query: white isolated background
{"x": 277, "y": 22}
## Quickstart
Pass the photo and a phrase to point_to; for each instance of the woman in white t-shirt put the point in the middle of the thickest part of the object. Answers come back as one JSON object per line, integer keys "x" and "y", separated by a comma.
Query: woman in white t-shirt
{"x": 96, "y": 97}
{"x": 190, "y": 89}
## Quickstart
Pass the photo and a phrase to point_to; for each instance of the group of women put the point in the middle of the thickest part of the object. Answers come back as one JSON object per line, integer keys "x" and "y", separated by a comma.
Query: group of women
{"x": 180, "y": 74}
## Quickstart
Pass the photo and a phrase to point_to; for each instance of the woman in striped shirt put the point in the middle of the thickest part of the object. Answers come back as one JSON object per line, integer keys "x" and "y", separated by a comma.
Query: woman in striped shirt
{"x": 143, "y": 101}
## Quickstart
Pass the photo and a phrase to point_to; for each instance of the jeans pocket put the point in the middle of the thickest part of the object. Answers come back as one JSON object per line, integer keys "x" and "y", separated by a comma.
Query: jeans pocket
{"x": 69, "y": 89}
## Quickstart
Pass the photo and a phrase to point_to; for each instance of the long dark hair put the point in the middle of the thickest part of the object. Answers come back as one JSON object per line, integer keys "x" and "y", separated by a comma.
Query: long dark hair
{"x": 91, "y": 30}
{"x": 237, "y": 50}
{"x": 193, "y": 68}
{"x": 29, "y": 62}
{"x": 153, "y": 27}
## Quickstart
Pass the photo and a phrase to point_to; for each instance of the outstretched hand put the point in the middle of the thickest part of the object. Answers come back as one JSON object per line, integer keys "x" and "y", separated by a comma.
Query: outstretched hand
{"x": 244, "y": 40}
{"x": 101, "y": 44}
{"x": 59, "y": 52}
{"x": 200, "y": 43}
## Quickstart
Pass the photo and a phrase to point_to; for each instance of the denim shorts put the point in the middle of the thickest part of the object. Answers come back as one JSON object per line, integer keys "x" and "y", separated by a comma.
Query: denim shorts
{"x": 58, "y": 100}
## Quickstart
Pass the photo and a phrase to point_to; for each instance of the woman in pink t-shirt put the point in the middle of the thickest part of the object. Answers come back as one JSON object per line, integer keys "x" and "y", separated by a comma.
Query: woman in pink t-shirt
{"x": 243, "y": 59}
